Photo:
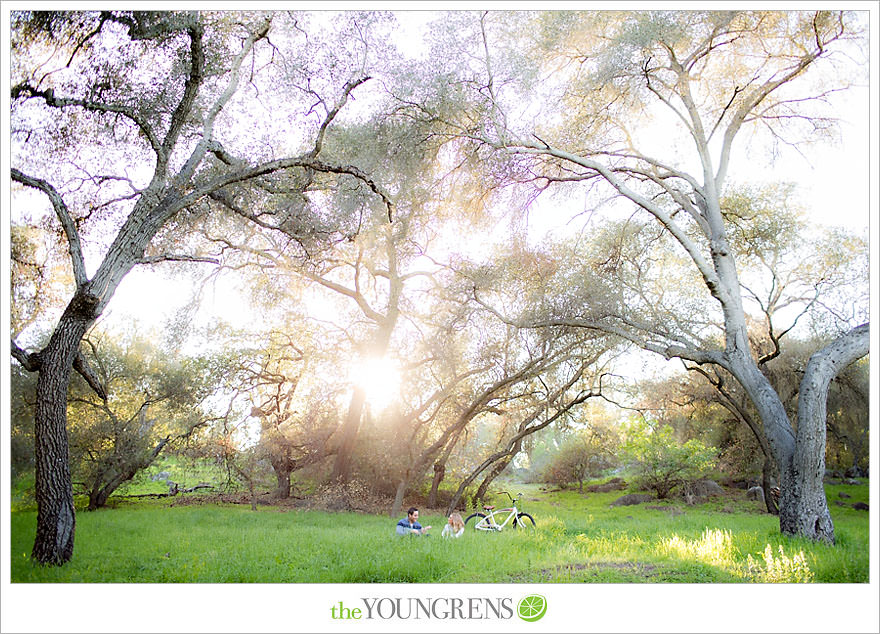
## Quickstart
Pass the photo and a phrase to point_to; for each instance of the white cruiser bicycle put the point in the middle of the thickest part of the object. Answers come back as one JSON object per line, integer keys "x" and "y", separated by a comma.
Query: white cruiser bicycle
{"x": 491, "y": 519}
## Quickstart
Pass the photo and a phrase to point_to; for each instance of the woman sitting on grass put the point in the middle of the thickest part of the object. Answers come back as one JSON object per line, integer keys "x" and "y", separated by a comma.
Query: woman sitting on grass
{"x": 454, "y": 527}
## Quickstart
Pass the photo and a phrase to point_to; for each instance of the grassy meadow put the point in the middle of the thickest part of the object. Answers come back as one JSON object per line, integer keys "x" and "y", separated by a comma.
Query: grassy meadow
{"x": 579, "y": 538}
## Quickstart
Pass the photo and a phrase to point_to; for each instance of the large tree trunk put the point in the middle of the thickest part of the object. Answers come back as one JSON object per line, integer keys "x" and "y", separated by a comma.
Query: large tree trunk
{"x": 439, "y": 474}
{"x": 282, "y": 475}
{"x": 767, "y": 484}
{"x": 99, "y": 495}
{"x": 398, "y": 496}
{"x": 803, "y": 510}
{"x": 440, "y": 470}
{"x": 56, "y": 519}
{"x": 342, "y": 465}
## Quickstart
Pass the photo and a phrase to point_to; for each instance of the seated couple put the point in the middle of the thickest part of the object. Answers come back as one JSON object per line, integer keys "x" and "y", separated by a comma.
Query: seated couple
{"x": 410, "y": 525}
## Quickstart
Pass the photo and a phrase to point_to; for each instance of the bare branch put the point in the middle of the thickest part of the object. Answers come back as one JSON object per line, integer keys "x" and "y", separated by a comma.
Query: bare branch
{"x": 710, "y": 277}
{"x": 67, "y": 223}
{"x": 749, "y": 104}
{"x": 355, "y": 294}
{"x": 305, "y": 162}
{"x": 154, "y": 259}
{"x": 30, "y": 361}
{"x": 736, "y": 91}
{"x": 81, "y": 365}
{"x": 192, "y": 87}
{"x": 25, "y": 90}
{"x": 668, "y": 350}
{"x": 346, "y": 91}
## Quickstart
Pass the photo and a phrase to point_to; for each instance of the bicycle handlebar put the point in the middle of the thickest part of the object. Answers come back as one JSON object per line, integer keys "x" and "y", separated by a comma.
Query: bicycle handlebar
{"x": 512, "y": 499}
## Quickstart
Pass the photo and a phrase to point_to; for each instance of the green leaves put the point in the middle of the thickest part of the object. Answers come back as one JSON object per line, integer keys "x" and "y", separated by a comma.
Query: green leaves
{"x": 661, "y": 461}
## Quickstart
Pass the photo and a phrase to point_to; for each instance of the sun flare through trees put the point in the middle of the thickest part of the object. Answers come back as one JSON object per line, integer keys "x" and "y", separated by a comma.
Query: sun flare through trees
{"x": 388, "y": 268}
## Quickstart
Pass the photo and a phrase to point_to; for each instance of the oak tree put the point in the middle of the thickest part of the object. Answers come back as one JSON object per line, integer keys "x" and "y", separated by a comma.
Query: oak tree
{"x": 606, "y": 82}
{"x": 135, "y": 120}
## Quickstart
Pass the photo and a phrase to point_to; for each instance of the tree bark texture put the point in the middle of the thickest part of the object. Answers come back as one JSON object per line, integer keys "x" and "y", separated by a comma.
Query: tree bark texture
{"x": 803, "y": 507}
{"x": 767, "y": 484}
{"x": 282, "y": 475}
{"x": 99, "y": 494}
{"x": 440, "y": 470}
{"x": 500, "y": 466}
{"x": 56, "y": 519}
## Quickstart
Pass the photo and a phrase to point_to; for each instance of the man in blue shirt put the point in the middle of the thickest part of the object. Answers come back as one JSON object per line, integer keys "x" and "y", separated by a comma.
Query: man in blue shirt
{"x": 410, "y": 524}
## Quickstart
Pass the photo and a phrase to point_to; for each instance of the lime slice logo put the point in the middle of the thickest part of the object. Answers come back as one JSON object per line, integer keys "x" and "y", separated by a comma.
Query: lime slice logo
{"x": 532, "y": 607}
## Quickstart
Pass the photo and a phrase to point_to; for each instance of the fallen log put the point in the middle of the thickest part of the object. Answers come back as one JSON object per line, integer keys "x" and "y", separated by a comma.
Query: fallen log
{"x": 173, "y": 491}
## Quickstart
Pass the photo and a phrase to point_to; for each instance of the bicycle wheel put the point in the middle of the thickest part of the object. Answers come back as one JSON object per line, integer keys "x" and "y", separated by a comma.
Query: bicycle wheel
{"x": 481, "y": 524}
{"x": 524, "y": 521}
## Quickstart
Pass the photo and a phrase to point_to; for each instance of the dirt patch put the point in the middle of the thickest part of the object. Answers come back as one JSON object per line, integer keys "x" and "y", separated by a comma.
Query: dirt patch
{"x": 263, "y": 499}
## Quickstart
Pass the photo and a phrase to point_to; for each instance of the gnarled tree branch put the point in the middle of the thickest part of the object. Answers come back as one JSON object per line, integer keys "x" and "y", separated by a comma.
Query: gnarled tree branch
{"x": 73, "y": 240}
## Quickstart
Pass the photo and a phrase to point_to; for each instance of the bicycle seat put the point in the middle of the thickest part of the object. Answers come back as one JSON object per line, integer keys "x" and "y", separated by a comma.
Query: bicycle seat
{"x": 488, "y": 508}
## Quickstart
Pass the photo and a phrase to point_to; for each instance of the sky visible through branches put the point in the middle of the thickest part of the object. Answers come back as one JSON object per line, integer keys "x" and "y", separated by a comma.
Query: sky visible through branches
{"x": 844, "y": 160}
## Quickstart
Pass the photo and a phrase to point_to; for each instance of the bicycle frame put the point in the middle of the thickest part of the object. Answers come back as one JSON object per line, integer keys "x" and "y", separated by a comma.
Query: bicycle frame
{"x": 491, "y": 524}
{"x": 491, "y": 521}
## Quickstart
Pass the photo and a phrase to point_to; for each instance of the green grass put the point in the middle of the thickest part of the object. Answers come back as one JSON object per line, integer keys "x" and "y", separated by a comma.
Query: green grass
{"x": 579, "y": 539}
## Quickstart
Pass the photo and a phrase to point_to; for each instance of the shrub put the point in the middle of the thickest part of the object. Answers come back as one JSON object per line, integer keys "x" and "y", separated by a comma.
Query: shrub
{"x": 660, "y": 462}
{"x": 584, "y": 455}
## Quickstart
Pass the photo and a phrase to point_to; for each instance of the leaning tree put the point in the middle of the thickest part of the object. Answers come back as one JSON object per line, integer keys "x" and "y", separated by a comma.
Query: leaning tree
{"x": 646, "y": 111}
{"x": 127, "y": 122}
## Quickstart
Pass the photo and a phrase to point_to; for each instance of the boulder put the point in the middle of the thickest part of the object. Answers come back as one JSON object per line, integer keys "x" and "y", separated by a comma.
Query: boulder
{"x": 854, "y": 472}
{"x": 707, "y": 488}
{"x": 735, "y": 483}
{"x": 162, "y": 475}
{"x": 851, "y": 481}
{"x": 697, "y": 492}
{"x": 860, "y": 506}
{"x": 632, "y": 498}
{"x": 840, "y": 502}
{"x": 755, "y": 493}
{"x": 844, "y": 495}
